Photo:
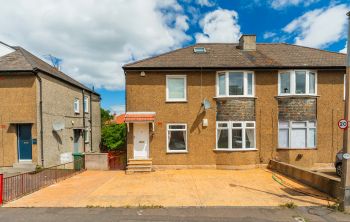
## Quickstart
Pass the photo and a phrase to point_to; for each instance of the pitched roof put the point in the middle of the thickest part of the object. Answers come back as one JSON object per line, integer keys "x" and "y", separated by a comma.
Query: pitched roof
{"x": 22, "y": 60}
{"x": 229, "y": 55}
{"x": 119, "y": 119}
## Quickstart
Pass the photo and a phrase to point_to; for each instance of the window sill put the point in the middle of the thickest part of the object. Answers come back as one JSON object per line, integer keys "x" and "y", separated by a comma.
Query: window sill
{"x": 234, "y": 97}
{"x": 176, "y": 101}
{"x": 235, "y": 150}
{"x": 176, "y": 152}
{"x": 312, "y": 148}
{"x": 297, "y": 96}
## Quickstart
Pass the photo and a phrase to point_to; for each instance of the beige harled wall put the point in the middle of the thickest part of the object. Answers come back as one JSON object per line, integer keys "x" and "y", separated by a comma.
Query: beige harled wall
{"x": 18, "y": 105}
{"x": 148, "y": 94}
{"x": 58, "y": 107}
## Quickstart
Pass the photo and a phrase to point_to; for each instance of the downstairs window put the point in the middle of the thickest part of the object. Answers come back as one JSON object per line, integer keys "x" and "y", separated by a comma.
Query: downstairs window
{"x": 177, "y": 138}
{"x": 297, "y": 134}
{"x": 235, "y": 135}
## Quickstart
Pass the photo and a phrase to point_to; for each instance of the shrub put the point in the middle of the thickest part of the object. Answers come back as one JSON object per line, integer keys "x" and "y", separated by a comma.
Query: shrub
{"x": 114, "y": 136}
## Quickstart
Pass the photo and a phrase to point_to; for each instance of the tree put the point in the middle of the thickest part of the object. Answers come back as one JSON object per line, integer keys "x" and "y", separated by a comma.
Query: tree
{"x": 105, "y": 116}
{"x": 114, "y": 136}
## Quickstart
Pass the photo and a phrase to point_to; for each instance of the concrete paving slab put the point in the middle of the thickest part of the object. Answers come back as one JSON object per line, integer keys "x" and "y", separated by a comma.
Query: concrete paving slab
{"x": 200, "y": 214}
{"x": 170, "y": 188}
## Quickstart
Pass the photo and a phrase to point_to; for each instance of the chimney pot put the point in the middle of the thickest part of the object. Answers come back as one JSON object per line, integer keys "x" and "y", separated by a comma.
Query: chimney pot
{"x": 247, "y": 42}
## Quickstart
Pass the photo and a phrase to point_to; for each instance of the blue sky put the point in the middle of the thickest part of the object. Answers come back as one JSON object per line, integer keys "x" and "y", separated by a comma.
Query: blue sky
{"x": 95, "y": 38}
{"x": 256, "y": 17}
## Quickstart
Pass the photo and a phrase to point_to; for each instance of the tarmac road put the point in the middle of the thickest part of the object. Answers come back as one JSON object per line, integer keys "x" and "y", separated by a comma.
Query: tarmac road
{"x": 242, "y": 214}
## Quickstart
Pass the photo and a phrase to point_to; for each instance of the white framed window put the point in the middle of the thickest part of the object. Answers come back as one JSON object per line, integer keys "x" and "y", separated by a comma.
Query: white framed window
{"x": 297, "y": 82}
{"x": 76, "y": 105}
{"x": 176, "y": 88}
{"x": 176, "y": 138}
{"x": 86, "y": 136}
{"x": 86, "y": 104}
{"x": 235, "y": 84}
{"x": 297, "y": 134}
{"x": 235, "y": 135}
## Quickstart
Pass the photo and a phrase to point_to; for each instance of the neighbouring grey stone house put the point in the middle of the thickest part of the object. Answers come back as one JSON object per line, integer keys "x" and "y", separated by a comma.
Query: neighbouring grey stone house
{"x": 45, "y": 115}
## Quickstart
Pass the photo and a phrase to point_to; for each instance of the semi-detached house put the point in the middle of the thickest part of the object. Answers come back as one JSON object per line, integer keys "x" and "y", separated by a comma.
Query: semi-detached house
{"x": 45, "y": 115}
{"x": 224, "y": 105}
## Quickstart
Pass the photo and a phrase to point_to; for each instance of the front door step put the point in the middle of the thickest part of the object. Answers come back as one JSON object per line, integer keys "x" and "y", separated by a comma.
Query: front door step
{"x": 28, "y": 166}
{"x": 139, "y": 165}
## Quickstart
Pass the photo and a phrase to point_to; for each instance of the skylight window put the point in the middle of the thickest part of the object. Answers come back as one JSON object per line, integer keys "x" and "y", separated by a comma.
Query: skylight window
{"x": 199, "y": 50}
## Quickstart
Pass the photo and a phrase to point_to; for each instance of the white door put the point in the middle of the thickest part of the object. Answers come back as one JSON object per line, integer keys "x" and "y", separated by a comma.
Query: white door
{"x": 141, "y": 140}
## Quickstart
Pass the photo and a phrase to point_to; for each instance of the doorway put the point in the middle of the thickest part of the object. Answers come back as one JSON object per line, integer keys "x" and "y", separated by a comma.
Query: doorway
{"x": 24, "y": 135}
{"x": 141, "y": 140}
{"x": 76, "y": 140}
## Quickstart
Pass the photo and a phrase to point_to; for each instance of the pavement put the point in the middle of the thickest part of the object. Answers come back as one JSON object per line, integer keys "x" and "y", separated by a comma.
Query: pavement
{"x": 171, "y": 188}
{"x": 202, "y": 214}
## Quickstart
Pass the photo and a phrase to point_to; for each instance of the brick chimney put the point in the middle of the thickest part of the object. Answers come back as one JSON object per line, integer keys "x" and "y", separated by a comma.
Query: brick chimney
{"x": 247, "y": 42}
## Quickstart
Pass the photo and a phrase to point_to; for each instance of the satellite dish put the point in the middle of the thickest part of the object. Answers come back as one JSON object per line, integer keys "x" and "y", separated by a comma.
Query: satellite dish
{"x": 58, "y": 126}
{"x": 206, "y": 104}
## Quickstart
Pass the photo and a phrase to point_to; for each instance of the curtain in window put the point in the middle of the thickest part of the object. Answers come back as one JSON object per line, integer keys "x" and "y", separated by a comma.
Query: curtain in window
{"x": 312, "y": 82}
{"x": 177, "y": 140}
{"x": 249, "y": 138}
{"x": 285, "y": 82}
{"x": 222, "y": 135}
{"x": 236, "y": 84}
{"x": 283, "y": 138}
{"x": 222, "y": 85}
{"x": 298, "y": 138}
{"x": 250, "y": 83}
{"x": 176, "y": 87}
{"x": 300, "y": 82}
{"x": 312, "y": 138}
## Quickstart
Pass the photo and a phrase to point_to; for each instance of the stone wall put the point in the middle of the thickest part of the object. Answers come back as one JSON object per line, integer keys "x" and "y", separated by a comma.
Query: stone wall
{"x": 236, "y": 109}
{"x": 297, "y": 109}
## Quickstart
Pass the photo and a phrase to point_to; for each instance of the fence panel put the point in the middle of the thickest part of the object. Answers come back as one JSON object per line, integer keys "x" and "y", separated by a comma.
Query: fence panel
{"x": 25, "y": 183}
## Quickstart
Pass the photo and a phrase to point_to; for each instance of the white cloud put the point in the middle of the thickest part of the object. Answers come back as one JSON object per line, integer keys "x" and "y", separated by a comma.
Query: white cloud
{"x": 279, "y": 4}
{"x": 345, "y": 49}
{"x": 268, "y": 35}
{"x": 220, "y": 25}
{"x": 320, "y": 27}
{"x": 117, "y": 109}
{"x": 207, "y": 3}
{"x": 94, "y": 37}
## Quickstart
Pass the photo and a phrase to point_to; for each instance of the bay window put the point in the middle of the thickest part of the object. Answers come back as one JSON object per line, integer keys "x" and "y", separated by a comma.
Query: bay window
{"x": 235, "y": 84}
{"x": 297, "y": 134}
{"x": 177, "y": 138}
{"x": 297, "y": 82}
{"x": 235, "y": 135}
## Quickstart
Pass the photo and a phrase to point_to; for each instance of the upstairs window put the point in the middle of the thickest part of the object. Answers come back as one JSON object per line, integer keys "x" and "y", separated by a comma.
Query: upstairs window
{"x": 76, "y": 105}
{"x": 176, "y": 88}
{"x": 235, "y": 84}
{"x": 86, "y": 104}
{"x": 297, "y": 82}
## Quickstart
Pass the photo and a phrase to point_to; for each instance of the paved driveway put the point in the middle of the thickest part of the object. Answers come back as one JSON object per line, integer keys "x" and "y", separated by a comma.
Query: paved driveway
{"x": 170, "y": 188}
